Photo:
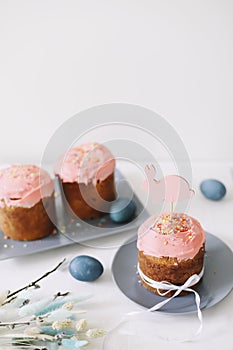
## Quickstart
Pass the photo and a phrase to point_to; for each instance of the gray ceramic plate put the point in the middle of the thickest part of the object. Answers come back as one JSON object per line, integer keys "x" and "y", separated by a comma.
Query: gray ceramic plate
{"x": 216, "y": 283}
{"x": 76, "y": 231}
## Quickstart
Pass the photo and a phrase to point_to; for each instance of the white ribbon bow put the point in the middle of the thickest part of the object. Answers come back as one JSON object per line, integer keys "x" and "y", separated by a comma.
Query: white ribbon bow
{"x": 192, "y": 280}
{"x": 168, "y": 287}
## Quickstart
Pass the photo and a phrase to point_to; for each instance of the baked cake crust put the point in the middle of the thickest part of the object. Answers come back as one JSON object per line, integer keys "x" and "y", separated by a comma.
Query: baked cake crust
{"x": 170, "y": 269}
{"x": 76, "y": 203}
{"x": 26, "y": 224}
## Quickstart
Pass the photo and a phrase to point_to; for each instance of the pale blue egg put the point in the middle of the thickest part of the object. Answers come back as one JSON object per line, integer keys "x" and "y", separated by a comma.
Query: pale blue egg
{"x": 85, "y": 268}
{"x": 213, "y": 189}
{"x": 122, "y": 210}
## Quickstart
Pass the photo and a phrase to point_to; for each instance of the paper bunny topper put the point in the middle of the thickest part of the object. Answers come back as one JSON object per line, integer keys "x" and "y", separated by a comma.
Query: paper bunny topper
{"x": 171, "y": 188}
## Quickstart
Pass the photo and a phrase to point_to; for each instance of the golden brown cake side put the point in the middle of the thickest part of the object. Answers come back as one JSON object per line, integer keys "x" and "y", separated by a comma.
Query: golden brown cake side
{"x": 170, "y": 269}
{"x": 73, "y": 194}
{"x": 25, "y": 224}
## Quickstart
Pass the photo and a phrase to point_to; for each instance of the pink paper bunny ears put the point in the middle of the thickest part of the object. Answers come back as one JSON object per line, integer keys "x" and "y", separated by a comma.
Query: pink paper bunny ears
{"x": 171, "y": 188}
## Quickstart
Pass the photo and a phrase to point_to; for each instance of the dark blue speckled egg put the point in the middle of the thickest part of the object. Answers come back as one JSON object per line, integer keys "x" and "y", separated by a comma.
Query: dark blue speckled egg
{"x": 85, "y": 268}
{"x": 213, "y": 189}
{"x": 122, "y": 210}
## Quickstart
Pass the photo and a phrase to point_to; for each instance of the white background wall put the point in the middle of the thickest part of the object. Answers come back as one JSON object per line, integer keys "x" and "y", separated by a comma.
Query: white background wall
{"x": 59, "y": 57}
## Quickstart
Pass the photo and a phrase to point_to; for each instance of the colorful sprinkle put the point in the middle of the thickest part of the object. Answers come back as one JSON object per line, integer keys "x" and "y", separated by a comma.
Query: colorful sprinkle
{"x": 167, "y": 224}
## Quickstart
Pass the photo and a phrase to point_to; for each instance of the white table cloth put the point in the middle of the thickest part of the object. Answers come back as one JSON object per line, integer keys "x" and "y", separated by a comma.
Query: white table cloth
{"x": 108, "y": 305}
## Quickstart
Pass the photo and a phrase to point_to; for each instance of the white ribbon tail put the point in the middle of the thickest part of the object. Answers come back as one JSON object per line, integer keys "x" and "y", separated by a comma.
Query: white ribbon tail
{"x": 168, "y": 287}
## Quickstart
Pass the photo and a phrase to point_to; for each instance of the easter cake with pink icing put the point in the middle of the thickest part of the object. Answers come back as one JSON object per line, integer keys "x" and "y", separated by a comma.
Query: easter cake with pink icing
{"x": 86, "y": 175}
{"x": 26, "y": 202}
{"x": 171, "y": 248}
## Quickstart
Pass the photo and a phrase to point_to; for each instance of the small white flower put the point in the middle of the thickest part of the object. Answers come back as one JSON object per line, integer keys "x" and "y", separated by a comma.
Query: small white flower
{"x": 45, "y": 337}
{"x": 95, "y": 333}
{"x": 76, "y": 337}
{"x": 3, "y": 296}
{"x": 68, "y": 306}
{"x": 32, "y": 330}
{"x": 81, "y": 325}
{"x": 58, "y": 325}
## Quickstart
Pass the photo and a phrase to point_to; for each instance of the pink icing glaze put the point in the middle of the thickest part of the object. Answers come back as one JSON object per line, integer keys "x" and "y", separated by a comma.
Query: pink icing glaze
{"x": 24, "y": 185}
{"x": 85, "y": 163}
{"x": 156, "y": 237}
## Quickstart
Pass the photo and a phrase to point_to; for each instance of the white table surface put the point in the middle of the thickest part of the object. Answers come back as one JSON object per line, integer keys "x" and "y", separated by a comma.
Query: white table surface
{"x": 108, "y": 305}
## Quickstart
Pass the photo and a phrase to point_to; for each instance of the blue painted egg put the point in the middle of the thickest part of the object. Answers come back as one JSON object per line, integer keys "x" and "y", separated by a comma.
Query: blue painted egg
{"x": 85, "y": 268}
{"x": 122, "y": 210}
{"x": 213, "y": 189}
